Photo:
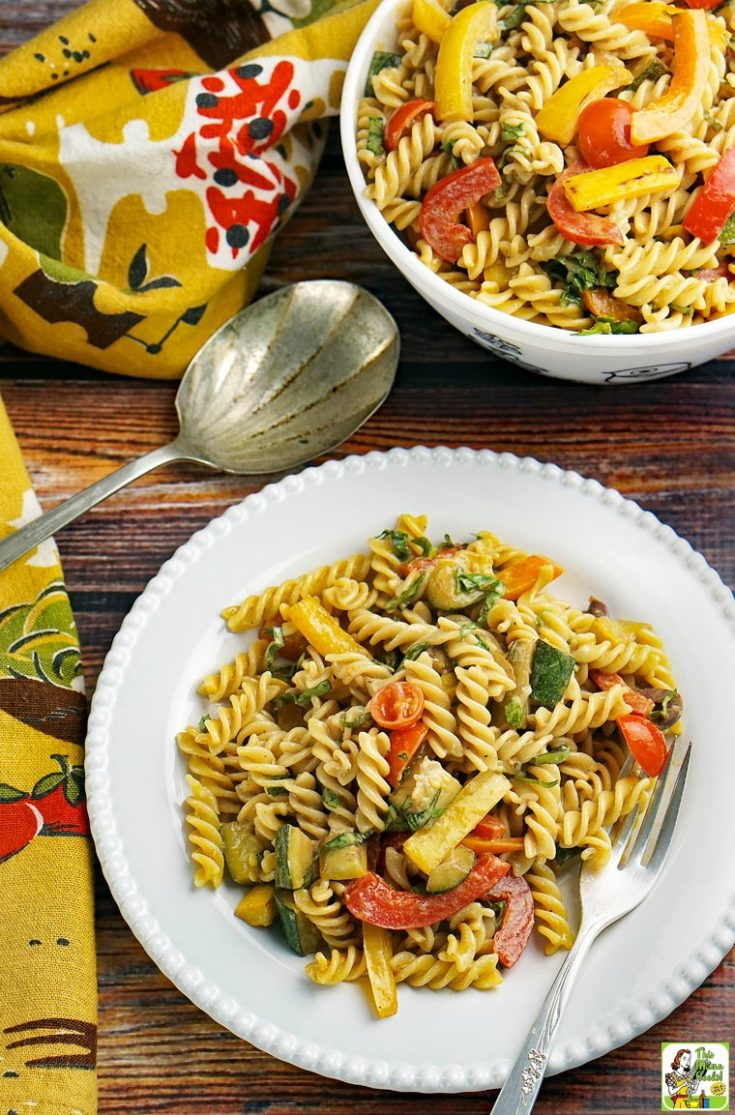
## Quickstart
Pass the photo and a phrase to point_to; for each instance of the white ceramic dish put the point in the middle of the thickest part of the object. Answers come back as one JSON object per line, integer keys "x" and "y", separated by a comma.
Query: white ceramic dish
{"x": 246, "y": 979}
{"x": 542, "y": 348}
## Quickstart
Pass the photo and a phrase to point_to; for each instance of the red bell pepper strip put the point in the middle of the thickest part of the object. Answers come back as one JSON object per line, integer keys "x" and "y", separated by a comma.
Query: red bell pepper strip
{"x": 518, "y": 917}
{"x": 636, "y": 700}
{"x": 373, "y": 900}
{"x": 440, "y": 209}
{"x": 580, "y": 228}
{"x": 403, "y": 118}
{"x": 715, "y": 202}
{"x": 404, "y": 743}
{"x": 645, "y": 741}
{"x": 489, "y": 828}
{"x": 708, "y": 5}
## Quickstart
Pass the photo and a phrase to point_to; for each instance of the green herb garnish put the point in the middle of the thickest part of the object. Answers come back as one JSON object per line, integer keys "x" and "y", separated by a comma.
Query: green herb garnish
{"x": 653, "y": 71}
{"x": 727, "y": 232}
{"x": 483, "y": 50}
{"x": 416, "y": 650}
{"x": 381, "y": 60}
{"x": 374, "y": 142}
{"x": 448, "y": 148}
{"x": 558, "y": 756}
{"x": 276, "y": 642}
{"x": 330, "y": 799}
{"x": 362, "y": 718}
{"x": 408, "y": 595}
{"x": 514, "y": 712}
{"x": 563, "y": 855}
{"x": 303, "y": 697}
{"x": 607, "y": 325}
{"x": 346, "y": 840}
{"x": 579, "y": 272}
{"x": 511, "y": 132}
{"x": 399, "y": 541}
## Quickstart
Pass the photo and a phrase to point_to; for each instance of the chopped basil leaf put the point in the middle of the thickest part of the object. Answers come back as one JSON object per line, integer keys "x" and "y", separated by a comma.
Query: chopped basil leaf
{"x": 448, "y": 148}
{"x": 653, "y": 71}
{"x": 714, "y": 124}
{"x": 277, "y": 641}
{"x": 285, "y": 673}
{"x": 579, "y": 272}
{"x": 558, "y": 756}
{"x": 416, "y": 650}
{"x": 381, "y": 60}
{"x": 399, "y": 541}
{"x": 303, "y": 697}
{"x": 688, "y": 311}
{"x": 346, "y": 840}
{"x": 408, "y": 595}
{"x": 374, "y": 142}
{"x": 330, "y": 799}
{"x": 476, "y": 584}
{"x": 531, "y": 778}
{"x": 494, "y": 594}
{"x": 424, "y": 545}
{"x": 550, "y": 674}
{"x": 512, "y": 132}
{"x": 447, "y": 544}
{"x": 202, "y": 725}
{"x": 417, "y": 820}
{"x": 360, "y": 719}
{"x": 606, "y": 326}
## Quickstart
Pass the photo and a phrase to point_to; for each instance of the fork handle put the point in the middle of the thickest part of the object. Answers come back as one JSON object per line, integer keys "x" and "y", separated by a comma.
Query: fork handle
{"x": 518, "y": 1094}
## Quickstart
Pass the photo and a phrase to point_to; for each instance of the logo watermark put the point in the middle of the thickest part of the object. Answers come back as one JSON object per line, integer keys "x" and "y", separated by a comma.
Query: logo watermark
{"x": 695, "y": 1076}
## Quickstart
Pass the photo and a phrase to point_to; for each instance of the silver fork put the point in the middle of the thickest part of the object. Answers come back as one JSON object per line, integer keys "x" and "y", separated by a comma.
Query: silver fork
{"x": 638, "y": 852}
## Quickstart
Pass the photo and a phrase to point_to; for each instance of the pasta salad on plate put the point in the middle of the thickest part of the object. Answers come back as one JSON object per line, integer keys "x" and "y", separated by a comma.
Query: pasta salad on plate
{"x": 568, "y": 163}
{"x": 412, "y": 743}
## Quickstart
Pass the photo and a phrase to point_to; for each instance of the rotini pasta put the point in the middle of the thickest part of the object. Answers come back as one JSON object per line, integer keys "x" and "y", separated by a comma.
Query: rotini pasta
{"x": 639, "y": 269}
{"x": 416, "y": 740}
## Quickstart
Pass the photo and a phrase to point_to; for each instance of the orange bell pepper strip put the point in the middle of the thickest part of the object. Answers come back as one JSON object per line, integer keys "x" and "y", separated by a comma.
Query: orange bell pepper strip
{"x": 453, "y": 75}
{"x": 654, "y": 19}
{"x": 691, "y": 71}
{"x": 522, "y": 575}
{"x": 631, "y": 696}
{"x": 489, "y": 828}
{"x": 495, "y": 846}
{"x": 558, "y": 118}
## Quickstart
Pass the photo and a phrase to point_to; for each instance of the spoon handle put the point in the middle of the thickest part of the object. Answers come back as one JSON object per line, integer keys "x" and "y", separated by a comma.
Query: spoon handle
{"x": 37, "y": 531}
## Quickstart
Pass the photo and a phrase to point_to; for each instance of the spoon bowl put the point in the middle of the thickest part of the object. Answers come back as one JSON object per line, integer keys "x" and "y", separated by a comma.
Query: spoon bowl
{"x": 288, "y": 378}
{"x": 285, "y": 380}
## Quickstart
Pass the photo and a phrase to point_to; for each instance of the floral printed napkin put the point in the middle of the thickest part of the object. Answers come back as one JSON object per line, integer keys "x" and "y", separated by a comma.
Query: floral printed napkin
{"x": 148, "y": 151}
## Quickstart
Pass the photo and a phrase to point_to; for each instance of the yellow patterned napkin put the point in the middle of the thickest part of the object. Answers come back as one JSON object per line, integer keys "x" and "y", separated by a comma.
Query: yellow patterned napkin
{"x": 148, "y": 149}
{"x": 48, "y": 1007}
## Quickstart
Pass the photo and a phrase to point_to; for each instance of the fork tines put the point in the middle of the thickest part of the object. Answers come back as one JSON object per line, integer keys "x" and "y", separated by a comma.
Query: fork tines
{"x": 652, "y": 831}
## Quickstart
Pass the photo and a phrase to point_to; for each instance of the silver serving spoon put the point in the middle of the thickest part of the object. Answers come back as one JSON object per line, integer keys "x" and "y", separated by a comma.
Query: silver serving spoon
{"x": 283, "y": 381}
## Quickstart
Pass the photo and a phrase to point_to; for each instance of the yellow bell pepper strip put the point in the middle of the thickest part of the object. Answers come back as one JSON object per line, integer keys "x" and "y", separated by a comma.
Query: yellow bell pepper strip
{"x": 557, "y": 120}
{"x": 691, "y": 70}
{"x": 654, "y": 19}
{"x": 453, "y": 75}
{"x": 714, "y": 204}
{"x": 430, "y": 17}
{"x": 633, "y": 178}
{"x": 427, "y": 847}
{"x": 321, "y": 630}
{"x": 374, "y": 902}
{"x": 378, "y": 955}
{"x": 447, "y": 198}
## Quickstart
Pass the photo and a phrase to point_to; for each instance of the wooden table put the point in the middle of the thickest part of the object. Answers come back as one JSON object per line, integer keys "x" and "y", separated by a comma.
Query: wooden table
{"x": 669, "y": 444}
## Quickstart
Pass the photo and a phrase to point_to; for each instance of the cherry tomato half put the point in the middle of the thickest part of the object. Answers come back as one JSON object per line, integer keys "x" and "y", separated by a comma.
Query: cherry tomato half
{"x": 604, "y": 133}
{"x": 397, "y": 705}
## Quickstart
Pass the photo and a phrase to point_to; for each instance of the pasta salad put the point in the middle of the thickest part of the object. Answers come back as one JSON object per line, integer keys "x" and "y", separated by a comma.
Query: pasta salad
{"x": 570, "y": 163}
{"x": 417, "y": 739}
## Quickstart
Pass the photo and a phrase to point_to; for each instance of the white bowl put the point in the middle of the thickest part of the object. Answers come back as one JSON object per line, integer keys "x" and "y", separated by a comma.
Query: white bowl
{"x": 542, "y": 348}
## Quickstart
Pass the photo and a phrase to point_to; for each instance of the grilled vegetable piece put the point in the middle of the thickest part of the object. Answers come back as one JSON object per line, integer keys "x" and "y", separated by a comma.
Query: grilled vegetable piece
{"x": 301, "y": 935}
{"x": 242, "y": 850}
{"x": 258, "y": 907}
{"x": 429, "y": 846}
{"x": 294, "y": 858}
{"x": 451, "y": 871}
{"x": 550, "y": 674}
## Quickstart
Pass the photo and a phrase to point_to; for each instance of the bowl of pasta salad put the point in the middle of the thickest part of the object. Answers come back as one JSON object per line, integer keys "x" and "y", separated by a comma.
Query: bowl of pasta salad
{"x": 557, "y": 179}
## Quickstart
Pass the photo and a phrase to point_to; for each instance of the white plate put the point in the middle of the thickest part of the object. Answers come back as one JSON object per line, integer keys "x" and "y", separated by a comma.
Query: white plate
{"x": 637, "y": 972}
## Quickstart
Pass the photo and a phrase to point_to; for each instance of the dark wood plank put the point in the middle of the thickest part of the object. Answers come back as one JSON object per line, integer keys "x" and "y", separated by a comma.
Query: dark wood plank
{"x": 670, "y": 445}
